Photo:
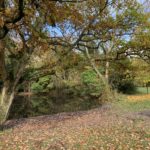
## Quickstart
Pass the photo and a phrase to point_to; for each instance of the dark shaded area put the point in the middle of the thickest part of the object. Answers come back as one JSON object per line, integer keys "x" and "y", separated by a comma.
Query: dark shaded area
{"x": 53, "y": 120}
{"x": 56, "y": 101}
{"x": 122, "y": 83}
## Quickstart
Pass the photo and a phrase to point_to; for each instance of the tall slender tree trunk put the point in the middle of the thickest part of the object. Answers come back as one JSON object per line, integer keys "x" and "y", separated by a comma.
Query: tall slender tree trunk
{"x": 107, "y": 70}
{"x": 8, "y": 94}
{"x": 4, "y": 92}
{"x": 7, "y": 102}
{"x": 94, "y": 67}
{"x": 3, "y": 73}
{"x": 107, "y": 92}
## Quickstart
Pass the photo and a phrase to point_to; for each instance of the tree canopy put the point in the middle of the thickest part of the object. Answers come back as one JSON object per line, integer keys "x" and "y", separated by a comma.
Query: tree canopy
{"x": 61, "y": 32}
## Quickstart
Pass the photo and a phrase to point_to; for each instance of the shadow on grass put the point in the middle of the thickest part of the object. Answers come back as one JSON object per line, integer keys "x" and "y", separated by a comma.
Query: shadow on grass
{"x": 145, "y": 113}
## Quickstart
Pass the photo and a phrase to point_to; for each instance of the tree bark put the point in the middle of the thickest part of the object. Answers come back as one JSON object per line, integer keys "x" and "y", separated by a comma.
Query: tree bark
{"x": 3, "y": 72}
{"x": 94, "y": 67}
{"x": 8, "y": 94}
{"x": 107, "y": 70}
{"x": 8, "y": 100}
{"x": 9, "y": 87}
{"x": 4, "y": 92}
{"x": 106, "y": 92}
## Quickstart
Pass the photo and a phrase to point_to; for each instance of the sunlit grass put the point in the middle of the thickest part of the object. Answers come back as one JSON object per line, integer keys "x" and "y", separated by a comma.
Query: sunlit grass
{"x": 135, "y": 98}
{"x": 134, "y": 103}
{"x": 142, "y": 90}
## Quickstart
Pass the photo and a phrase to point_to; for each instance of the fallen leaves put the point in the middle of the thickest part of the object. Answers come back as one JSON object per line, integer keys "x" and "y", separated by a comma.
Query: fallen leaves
{"x": 89, "y": 130}
{"x": 134, "y": 98}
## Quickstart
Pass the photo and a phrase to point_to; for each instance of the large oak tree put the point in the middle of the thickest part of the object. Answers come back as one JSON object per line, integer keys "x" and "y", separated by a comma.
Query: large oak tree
{"x": 30, "y": 25}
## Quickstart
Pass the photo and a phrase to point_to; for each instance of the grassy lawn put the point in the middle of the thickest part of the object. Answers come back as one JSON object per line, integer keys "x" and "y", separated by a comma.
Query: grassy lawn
{"x": 134, "y": 104}
{"x": 142, "y": 90}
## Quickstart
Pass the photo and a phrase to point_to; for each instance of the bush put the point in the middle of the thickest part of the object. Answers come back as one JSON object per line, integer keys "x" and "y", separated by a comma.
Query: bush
{"x": 122, "y": 82}
{"x": 92, "y": 84}
{"x": 42, "y": 84}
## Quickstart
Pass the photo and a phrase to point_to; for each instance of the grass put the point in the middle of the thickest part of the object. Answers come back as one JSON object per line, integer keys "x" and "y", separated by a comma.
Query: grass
{"x": 138, "y": 101}
{"x": 114, "y": 138}
{"x": 142, "y": 90}
{"x": 132, "y": 106}
{"x": 95, "y": 130}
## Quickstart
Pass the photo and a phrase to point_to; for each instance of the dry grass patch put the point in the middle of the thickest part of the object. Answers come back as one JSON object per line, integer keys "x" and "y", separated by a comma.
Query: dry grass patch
{"x": 134, "y": 98}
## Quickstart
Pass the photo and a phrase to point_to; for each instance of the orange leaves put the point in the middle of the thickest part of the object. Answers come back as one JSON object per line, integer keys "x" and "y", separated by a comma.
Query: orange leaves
{"x": 135, "y": 98}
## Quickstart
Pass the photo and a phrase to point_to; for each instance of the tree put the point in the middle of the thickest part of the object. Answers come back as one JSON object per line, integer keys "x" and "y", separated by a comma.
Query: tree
{"x": 140, "y": 70}
{"x": 27, "y": 26}
{"x": 25, "y": 21}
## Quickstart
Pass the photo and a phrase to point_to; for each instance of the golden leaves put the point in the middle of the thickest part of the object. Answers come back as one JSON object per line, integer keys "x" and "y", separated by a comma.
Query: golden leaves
{"x": 8, "y": 12}
{"x": 135, "y": 98}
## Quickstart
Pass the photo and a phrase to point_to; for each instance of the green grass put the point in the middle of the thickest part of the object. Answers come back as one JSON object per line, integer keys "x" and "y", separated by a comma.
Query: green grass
{"x": 133, "y": 106}
{"x": 142, "y": 90}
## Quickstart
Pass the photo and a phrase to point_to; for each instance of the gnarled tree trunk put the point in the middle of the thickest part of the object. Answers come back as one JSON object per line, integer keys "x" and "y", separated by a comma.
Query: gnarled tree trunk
{"x": 9, "y": 88}
{"x": 6, "y": 102}
{"x": 3, "y": 77}
{"x": 7, "y": 96}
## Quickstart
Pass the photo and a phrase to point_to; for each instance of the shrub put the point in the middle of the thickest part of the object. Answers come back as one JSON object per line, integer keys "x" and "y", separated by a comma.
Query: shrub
{"x": 42, "y": 84}
{"x": 122, "y": 82}
{"x": 92, "y": 84}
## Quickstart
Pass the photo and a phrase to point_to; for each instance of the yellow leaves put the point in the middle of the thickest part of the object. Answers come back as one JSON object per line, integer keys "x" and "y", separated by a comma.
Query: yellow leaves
{"x": 135, "y": 98}
{"x": 8, "y": 12}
